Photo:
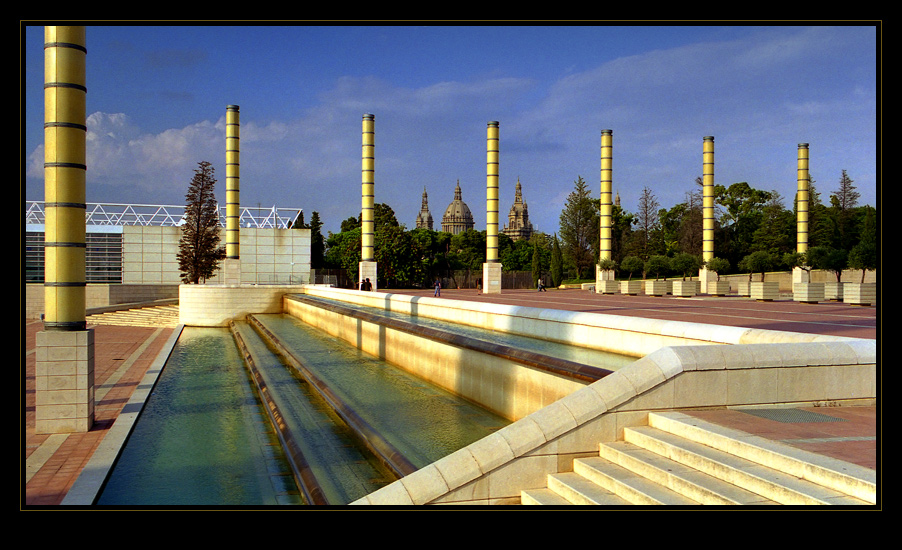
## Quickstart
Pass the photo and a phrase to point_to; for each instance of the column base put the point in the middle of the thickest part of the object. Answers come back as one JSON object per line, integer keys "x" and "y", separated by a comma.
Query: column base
{"x": 491, "y": 278}
{"x": 64, "y": 381}
{"x": 605, "y": 282}
{"x": 706, "y": 279}
{"x": 367, "y": 270}
{"x": 231, "y": 271}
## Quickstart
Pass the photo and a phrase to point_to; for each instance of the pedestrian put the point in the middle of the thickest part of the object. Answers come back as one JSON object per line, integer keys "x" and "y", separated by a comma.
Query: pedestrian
{"x": 369, "y": 285}
{"x": 438, "y": 288}
{"x": 542, "y": 286}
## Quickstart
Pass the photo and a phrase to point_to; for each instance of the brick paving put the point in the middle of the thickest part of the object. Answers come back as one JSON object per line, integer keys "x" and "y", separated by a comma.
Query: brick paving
{"x": 122, "y": 356}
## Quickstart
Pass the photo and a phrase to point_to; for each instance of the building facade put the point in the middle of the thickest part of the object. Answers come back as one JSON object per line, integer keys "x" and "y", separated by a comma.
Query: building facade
{"x": 518, "y": 226}
{"x": 424, "y": 218}
{"x": 138, "y": 244}
{"x": 458, "y": 217}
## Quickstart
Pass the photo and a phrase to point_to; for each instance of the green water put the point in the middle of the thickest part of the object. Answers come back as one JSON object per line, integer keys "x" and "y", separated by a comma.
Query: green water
{"x": 343, "y": 467}
{"x": 421, "y": 420}
{"x": 202, "y": 439}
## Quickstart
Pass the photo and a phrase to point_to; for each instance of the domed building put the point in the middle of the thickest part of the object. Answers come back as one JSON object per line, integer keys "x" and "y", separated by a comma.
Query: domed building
{"x": 424, "y": 218}
{"x": 458, "y": 217}
{"x": 519, "y": 226}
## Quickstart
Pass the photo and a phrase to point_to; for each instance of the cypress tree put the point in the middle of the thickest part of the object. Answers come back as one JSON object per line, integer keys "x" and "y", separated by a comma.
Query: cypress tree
{"x": 199, "y": 251}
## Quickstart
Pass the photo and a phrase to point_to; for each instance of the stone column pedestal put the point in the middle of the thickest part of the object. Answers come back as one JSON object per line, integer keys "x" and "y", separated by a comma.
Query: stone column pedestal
{"x": 706, "y": 279}
{"x": 491, "y": 278}
{"x": 231, "y": 271}
{"x": 64, "y": 381}
{"x": 367, "y": 270}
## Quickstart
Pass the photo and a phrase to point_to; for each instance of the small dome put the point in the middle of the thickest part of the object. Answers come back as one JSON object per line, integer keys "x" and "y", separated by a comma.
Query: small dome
{"x": 458, "y": 217}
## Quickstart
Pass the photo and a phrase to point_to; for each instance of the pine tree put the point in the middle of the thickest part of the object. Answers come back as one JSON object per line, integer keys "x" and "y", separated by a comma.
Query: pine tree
{"x": 648, "y": 220}
{"x": 557, "y": 263}
{"x": 317, "y": 242}
{"x": 199, "y": 251}
{"x": 579, "y": 227}
{"x": 842, "y": 204}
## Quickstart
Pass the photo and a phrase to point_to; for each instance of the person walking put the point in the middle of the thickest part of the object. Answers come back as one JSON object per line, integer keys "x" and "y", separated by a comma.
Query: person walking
{"x": 542, "y": 286}
{"x": 438, "y": 288}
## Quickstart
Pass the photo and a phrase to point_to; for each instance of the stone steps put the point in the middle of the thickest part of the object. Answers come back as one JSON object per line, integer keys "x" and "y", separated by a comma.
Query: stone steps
{"x": 154, "y": 316}
{"x": 680, "y": 460}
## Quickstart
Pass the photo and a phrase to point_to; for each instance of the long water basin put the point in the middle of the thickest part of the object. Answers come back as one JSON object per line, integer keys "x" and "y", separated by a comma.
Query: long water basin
{"x": 332, "y": 464}
{"x": 575, "y": 354}
{"x": 201, "y": 439}
{"x": 422, "y": 421}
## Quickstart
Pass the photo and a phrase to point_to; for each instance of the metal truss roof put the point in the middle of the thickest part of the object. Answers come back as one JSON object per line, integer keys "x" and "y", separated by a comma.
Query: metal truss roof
{"x": 113, "y": 214}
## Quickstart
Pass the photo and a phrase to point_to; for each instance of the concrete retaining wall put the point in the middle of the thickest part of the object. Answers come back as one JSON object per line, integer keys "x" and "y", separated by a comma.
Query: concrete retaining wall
{"x": 497, "y": 383}
{"x": 215, "y": 305}
{"x": 102, "y": 295}
{"x": 680, "y": 367}
{"x": 613, "y": 333}
{"x": 495, "y": 469}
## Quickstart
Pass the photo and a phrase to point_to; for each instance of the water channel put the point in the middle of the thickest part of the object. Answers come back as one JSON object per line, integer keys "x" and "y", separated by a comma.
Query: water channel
{"x": 205, "y": 437}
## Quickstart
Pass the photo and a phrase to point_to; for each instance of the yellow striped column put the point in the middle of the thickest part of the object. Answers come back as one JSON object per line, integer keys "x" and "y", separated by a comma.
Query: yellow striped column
{"x": 368, "y": 162}
{"x": 802, "y": 200}
{"x": 367, "y": 266}
{"x": 64, "y": 177}
{"x": 233, "y": 174}
{"x": 64, "y": 350}
{"x": 491, "y": 269}
{"x": 607, "y": 205}
{"x": 491, "y": 193}
{"x": 708, "y": 198}
{"x": 604, "y": 274}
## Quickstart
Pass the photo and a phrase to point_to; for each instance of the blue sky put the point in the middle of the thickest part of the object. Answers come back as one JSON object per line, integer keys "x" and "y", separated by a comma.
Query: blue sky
{"x": 157, "y": 100}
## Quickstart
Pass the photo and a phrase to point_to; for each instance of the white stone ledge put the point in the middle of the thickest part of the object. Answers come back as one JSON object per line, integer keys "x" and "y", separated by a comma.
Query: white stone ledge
{"x": 482, "y": 472}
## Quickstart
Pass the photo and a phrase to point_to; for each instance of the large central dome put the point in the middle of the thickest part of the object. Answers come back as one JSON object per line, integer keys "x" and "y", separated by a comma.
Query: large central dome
{"x": 458, "y": 217}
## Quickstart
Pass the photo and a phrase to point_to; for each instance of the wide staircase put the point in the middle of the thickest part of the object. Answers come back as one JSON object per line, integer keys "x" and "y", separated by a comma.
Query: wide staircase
{"x": 679, "y": 460}
{"x": 151, "y": 316}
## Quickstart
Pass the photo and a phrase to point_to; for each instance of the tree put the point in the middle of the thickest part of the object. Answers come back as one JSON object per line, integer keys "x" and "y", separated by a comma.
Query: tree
{"x": 830, "y": 259}
{"x": 842, "y": 205}
{"x": 557, "y": 263}
{"x": 657, "y": 265}
{"x": 743, "y": 216}
{"x": 757, "y": 262}
{"x": 681, "y": 226}
{"x": 685, "y": 264}
{"x": 350, "y": 224}
{"x": 579, "y": 228}
{"x": 343, "y": 251}
{"x": 536, "y": 264}
{"x": 199, "y": 251}
{"x": 631, "y": 265}
{"x": 776, "y": 233}
{"x": 299, "y": 222}
{"x": 317, "y": 242}
{"x": 718, "y": 266}
{"x": 863, "y": 255}
{"x": 648, "y": 220}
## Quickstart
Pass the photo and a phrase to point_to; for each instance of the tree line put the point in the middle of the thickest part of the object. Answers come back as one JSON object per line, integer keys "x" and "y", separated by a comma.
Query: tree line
{"x": 416, "y": 257}
{"x": 754, "y": 231}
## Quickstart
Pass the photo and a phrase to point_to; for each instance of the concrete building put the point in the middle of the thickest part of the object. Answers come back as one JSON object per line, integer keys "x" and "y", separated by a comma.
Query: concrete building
{"x": 135, "y": 246}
